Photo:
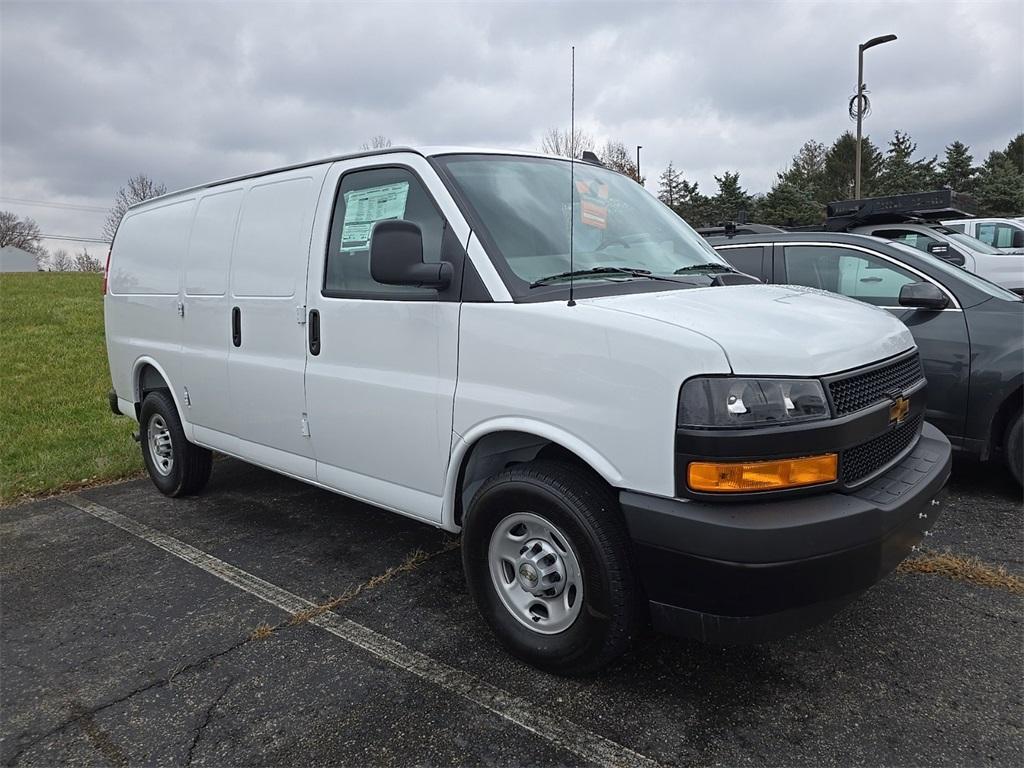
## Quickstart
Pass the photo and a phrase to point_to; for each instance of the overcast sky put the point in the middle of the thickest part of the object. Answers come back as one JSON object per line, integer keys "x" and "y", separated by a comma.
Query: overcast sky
{"x": 94, "y": 92}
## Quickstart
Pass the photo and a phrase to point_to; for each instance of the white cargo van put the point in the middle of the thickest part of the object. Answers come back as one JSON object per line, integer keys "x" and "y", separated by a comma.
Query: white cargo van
{"x": 542, "y": 356}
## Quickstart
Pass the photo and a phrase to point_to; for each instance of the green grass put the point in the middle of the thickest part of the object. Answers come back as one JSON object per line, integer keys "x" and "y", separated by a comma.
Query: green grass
{"x": 56, "y": 428}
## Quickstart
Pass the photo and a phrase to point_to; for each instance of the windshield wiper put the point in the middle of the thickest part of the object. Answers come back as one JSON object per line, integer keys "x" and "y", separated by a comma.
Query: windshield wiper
{"x": 628, "y": 272}
{"x": 711, "y": 266}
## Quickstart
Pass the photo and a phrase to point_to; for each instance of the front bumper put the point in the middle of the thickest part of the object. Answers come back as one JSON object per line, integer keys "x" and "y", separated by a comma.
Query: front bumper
{"x": 752, "y": 571}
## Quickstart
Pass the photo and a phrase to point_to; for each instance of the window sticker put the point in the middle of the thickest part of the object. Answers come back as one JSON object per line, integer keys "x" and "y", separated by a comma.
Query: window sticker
{"x": 593, "y": 204}
{"x": 365, "y": 207}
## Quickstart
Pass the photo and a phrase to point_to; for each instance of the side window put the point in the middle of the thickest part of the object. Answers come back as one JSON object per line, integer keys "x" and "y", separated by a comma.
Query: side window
{"x": 913, "y": 239}
{"x": 987, "y": 233}
{"x": 851, "y": 273}
{"x": 998, "y": 235}
{"x": 747, "y": 259}
{"x": 364, "y": 198}
{"x": 957, "y": 227}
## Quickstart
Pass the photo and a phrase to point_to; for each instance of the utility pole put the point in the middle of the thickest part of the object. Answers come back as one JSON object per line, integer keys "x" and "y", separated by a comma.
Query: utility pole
{"x": 860, "y": 100}
{"x": 639, "y": 178}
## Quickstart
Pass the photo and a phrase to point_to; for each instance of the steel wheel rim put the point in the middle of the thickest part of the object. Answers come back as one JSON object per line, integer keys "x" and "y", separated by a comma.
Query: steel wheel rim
{"x": 525, "y": 554}
{"x": 161, "y": 449}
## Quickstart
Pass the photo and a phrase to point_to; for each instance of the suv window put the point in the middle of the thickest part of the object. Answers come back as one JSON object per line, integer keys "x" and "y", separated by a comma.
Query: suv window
{"x": 364, "y": 198}
{"x": 848, "y": 272}
{"x": 998, "y": 235}
{"x": 916, "y": 240}
{"x": 748, "y": 259}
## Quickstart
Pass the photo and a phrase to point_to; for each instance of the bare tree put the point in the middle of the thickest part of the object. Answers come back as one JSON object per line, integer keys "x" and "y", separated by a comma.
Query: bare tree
{"x": 60, "y": 261}
{"x": 21, "y": 233}
{"x": 559, "y": 142}
{"x": 85, "y": 262}
{"x": 614, "y": 155}
{"x": 379, "y": 141}
{"x": 139, "y": 188}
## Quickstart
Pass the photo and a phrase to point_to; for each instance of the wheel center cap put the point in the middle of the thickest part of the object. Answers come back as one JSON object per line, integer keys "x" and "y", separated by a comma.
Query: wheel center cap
{"x": 528, "y": 575}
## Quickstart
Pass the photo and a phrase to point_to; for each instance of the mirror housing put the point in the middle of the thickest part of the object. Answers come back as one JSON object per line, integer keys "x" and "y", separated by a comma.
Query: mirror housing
{"x": 396, "y": 257}
{"x": 923, "y": 296}
{"x": 1018, "y": 239}
{"x": 946, "y": 252}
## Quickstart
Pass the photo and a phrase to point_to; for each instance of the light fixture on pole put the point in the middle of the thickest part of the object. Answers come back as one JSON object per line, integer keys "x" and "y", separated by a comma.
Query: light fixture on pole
{"x": 638, "y": 176}
{"x": 859, "y": 104}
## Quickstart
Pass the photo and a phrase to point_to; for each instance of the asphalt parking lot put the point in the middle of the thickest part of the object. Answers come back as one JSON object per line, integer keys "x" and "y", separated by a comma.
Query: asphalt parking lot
{"x": 139, "y": 629}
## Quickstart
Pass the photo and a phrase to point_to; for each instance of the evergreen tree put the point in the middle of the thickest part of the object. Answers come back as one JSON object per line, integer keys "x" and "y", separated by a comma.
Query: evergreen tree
{"x": 900, "y": 172}
{"x": 790, "y": 206}
{"x": 957, "y": 170}
{"x": 671, "y": 187}
{"x": 840, "y": 161}
{"x": 1000, "y": 187}
{"x": 731, "y": 199}
{"x": 807, "y": 170}
{"x": 696, "y": 209}
{"x": 1015, "y": 152}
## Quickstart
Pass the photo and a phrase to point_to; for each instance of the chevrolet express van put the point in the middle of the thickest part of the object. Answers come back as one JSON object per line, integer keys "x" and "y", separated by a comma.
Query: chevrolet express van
{"x": 539, "y": 355}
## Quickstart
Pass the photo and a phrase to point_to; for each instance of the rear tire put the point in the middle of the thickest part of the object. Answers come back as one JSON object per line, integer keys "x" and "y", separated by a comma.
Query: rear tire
{"x": 176, "y": 466}
{"x": 1013, "y": 448}
{"x": 547, "y": 523}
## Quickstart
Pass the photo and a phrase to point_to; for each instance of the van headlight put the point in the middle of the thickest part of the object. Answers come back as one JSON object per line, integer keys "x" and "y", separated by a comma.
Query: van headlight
{"x": 733, "y": 402}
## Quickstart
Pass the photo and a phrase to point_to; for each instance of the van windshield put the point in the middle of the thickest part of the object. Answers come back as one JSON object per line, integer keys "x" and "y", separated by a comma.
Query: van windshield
{"x": 524, "y": 204}
{"x": 970, "y": 242}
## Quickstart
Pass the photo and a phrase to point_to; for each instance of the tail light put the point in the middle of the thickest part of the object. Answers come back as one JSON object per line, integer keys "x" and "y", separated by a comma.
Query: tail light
{"x": 106, "y": 271}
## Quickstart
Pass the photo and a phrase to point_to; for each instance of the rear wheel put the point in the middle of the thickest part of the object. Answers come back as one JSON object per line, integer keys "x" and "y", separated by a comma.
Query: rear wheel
{"x": 1013, "y": 447}
{"x": 176, "y": 466}
{"x": 547, "y": 560}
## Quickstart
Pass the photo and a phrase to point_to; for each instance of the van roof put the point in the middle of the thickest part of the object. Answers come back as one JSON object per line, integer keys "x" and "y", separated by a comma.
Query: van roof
{"x": 427, "y": 151}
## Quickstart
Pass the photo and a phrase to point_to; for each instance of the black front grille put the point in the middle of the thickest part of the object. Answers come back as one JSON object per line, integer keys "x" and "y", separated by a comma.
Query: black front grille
{"x": 863, "y": 389}
{"x": 867, "y": 458}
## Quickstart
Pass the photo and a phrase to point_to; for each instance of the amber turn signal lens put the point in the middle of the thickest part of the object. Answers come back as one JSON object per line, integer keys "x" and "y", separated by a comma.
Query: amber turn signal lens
{"x": 739, "y": 477}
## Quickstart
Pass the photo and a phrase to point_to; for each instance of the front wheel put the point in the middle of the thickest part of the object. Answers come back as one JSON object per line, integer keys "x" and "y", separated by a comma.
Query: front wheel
{"x": 1013, "y": 448}
{"x": 547, "y": 561}
{"x": 176, "y": 466}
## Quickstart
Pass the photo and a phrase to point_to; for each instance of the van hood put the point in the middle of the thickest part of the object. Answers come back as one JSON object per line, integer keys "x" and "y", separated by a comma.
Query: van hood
{"x": 774, "y": 329}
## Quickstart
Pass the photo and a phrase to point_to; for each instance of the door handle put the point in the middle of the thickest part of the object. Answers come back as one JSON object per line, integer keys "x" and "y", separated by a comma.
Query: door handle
{"x": 236, "y": 326}
{"x": 314, "y": 331}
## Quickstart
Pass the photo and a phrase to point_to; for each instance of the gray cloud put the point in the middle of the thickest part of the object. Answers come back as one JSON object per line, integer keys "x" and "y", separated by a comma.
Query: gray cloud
{"x": 95, "y": 92}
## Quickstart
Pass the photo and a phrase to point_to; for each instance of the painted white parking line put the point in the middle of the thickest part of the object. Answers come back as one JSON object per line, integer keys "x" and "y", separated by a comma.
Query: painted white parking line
{"x": 555, "y": 729}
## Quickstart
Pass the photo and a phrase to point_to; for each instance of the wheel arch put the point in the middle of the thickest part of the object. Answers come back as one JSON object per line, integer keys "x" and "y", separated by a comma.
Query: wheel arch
{"x": 488, "y": 448}
{"x": 147, "y": 375}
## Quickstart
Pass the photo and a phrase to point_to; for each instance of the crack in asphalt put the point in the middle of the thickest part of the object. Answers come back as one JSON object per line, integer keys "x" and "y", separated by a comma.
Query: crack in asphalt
{"x": 412, "y": 561}
{"x": 81, "y": 714}
{"x": 207, "y": 716}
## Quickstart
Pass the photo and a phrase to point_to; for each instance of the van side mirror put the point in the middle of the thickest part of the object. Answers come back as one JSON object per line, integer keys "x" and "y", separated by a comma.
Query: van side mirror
{"x": 396, "y": 257}
{"x": 946, "y": 253}
{"x": 923, "y": 296}
{"x": 1018, "y": 239}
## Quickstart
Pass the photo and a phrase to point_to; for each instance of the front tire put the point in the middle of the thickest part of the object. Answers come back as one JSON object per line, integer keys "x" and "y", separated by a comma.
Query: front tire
{"x": 1013, "y": 448}
{"x": 548, "y": 563}
{"x": 176, "y": 466}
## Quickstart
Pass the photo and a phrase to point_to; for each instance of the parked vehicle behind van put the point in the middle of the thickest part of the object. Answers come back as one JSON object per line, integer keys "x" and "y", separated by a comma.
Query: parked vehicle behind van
{"x": 541, "y": 356}
{"x": 969, "y": 332}
{"x": 1005, "y": 234}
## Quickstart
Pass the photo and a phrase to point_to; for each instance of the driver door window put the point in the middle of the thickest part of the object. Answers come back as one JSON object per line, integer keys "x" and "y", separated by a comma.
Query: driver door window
{"x": 856, "y": 274}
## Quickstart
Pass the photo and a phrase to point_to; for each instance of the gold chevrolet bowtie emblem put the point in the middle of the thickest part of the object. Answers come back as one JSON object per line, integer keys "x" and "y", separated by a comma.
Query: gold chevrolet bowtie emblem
{"x": 898, "y": 410}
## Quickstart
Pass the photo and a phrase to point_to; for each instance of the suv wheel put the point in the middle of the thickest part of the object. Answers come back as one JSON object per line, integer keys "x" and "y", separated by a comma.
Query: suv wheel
{"x": 547, "y": 560}
{"x": 176, "y": 466}
{"x": 1013, "y": 447}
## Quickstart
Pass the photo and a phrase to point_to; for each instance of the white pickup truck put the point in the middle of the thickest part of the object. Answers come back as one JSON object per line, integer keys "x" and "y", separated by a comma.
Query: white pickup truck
{"x": 539, "y": 355}
{"x": 1005, "y": 234}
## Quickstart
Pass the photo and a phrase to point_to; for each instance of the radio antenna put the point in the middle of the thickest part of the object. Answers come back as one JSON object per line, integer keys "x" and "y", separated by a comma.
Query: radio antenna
{"x": 572, "y": 166}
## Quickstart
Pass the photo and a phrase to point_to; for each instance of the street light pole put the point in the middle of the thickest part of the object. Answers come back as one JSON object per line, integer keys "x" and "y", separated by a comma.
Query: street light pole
{"x": 859, "y": 99}
{"x": 639, "y": 178}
